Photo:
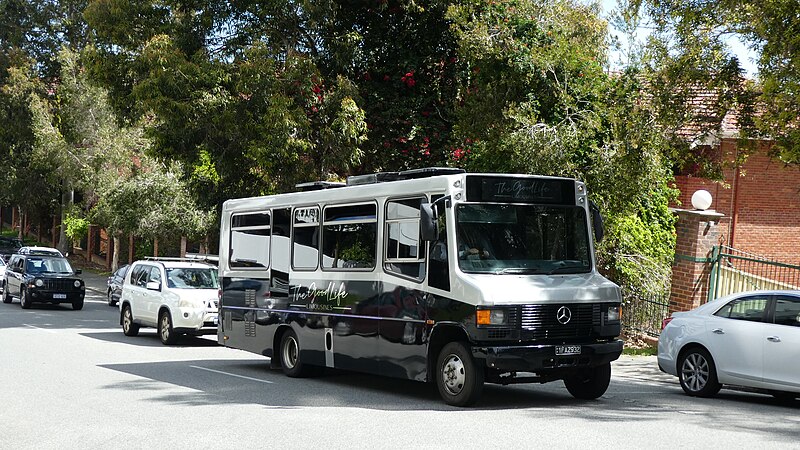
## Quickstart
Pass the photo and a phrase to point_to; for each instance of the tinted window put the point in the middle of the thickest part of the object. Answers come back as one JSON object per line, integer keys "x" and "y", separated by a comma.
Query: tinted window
{"x": 404, "y": 254}
{"x": 349, "y": 236}
{"x": 748, "y": 308}
{"x": 305, "y": 251}
{"x": 250, "y": 234}
{"x": 787, "y": 311}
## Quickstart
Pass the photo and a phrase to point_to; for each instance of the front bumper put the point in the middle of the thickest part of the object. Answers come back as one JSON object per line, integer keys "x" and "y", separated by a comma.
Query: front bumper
{"x": 543, "y": 359}
{"x": 43, "y": 296}
{"x": 195, "y": 321}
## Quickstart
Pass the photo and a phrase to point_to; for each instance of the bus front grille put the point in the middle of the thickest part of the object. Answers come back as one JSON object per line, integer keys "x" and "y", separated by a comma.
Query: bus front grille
{"x": 542, "y": 321}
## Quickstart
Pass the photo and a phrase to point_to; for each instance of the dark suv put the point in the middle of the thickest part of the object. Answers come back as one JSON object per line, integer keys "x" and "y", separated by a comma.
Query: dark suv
{"x": 43, "y": 275}
{"x": 9, "y": 246}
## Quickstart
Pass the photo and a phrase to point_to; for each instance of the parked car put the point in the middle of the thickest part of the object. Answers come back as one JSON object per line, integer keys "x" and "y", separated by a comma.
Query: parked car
{"x": 8, "y": 246}
{"x": 749, "y": 339}
{"x": 2, "y": 273}
{"x": 42, "y": 275}
{"x": 115, "y": 281}
{"x": 175, "y": 296}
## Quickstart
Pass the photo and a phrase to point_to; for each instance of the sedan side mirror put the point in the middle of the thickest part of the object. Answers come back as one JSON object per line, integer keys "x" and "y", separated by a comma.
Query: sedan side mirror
{"x": 153, "y": 285}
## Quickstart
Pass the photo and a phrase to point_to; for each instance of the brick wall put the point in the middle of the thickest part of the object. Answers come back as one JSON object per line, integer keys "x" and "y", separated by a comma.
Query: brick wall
{"x": 761, "y": 205}
{"x": 697, "y": 233}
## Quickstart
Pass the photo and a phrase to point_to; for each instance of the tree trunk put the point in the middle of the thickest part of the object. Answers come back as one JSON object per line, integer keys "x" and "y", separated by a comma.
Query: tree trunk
{"x": 64, "y": 244}
{"x": 20, "y": 215}
{"x": 115, "y": 258}
{"x": 184, "y": 244}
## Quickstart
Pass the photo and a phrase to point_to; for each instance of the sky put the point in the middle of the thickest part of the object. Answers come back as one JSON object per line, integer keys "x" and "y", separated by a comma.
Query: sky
{"x": 747, "y": 58}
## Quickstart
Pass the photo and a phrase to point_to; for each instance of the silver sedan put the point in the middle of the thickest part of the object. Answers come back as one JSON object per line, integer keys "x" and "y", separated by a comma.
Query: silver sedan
{"x": 749, "y": 339}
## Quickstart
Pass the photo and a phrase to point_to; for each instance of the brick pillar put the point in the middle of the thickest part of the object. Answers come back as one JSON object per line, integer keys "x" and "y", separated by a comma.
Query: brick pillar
{"x": 697, "y": 232}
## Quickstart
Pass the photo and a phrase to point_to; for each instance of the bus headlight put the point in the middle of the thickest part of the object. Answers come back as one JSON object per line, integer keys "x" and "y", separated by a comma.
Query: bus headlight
{"x": 491, "y": 317}
{"x": 613, "y": 314}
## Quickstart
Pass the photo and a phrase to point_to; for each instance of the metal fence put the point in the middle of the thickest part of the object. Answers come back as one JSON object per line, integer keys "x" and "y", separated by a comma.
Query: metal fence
{"x": 644, "y": 315}
{"x": 734, "y": 271}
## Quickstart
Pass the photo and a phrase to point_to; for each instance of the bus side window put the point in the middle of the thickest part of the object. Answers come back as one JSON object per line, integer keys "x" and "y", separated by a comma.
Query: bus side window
{"x": 439, "y": 269}
{"x": 305, "y": 239}
{"x": 349, "y": 237}
{"x": 249, "y": 241}
{"x": 403, "y": 253}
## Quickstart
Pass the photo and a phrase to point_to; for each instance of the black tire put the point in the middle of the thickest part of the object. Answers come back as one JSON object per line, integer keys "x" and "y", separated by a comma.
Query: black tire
{"x": 289, "y": 354}
{"x": 77, "y": 305}
{"x": 129, "y": 328}
{"x": 24, "y": 301}
{"x": 166, "y": 333}
{"x": 111, "y": 301}
{"x": 698, "y": 373}
{"x": 6, "y": 295}
{"x": 458, "y": 377}
{"x": 589, "y": 384}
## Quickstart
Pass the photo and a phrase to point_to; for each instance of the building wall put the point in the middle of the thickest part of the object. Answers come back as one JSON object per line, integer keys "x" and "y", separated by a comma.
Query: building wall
{"x": 761, "y": 205}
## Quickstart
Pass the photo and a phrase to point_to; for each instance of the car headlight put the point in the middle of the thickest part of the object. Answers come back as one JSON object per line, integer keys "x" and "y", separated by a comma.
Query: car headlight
{"x": 186, "y": 303}
{"x": 613, "y": 313}
{"x": 491, "y": 317}
{"x": 77, "y": 283}
{"x": 38, "y": 283}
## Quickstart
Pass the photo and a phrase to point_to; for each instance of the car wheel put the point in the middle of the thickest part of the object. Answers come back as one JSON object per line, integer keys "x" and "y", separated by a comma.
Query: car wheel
{"x": 290, "y": 357}
{"x": 77, "y": 305}
{"x": 129, "y": 328}
{"x": 165, "y": 330}
{"x": 698, "y": 374}
{"x": 589, "y": 384}
{"x": 6, "y": 294}
{"x": 24, "y": 301}
{"x": 111, "y": 301}
{"x": 458, "y": 377}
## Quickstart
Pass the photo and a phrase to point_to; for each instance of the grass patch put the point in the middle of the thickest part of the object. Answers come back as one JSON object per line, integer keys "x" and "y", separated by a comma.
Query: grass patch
{"x": 650, "y": 350}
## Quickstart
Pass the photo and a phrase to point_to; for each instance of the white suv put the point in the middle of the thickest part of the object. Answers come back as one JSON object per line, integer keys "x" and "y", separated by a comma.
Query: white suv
{"x": 176, "y": 296}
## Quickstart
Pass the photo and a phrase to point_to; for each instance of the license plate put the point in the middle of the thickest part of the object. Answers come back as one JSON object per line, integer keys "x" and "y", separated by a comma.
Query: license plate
{"x": 59, "y": 295}
{"x": 568, "y": 350}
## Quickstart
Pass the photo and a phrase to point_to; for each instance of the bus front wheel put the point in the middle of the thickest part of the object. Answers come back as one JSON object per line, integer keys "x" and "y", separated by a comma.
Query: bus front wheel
{"x": 458, "y": 377}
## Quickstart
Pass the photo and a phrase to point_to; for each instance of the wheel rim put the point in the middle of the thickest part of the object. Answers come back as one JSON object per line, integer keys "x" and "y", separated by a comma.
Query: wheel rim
{"x": 695, "y": 371}
{"x": 126, "y": 320}
{"x": 453, "y": 375}
{"x": 165, "y": 327}
{"x": 290, "y": 352}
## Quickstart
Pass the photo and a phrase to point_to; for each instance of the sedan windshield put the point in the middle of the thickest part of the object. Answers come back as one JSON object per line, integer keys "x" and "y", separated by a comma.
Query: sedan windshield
{"x": 192, "y": 278}
{"x": 522, "y": 239}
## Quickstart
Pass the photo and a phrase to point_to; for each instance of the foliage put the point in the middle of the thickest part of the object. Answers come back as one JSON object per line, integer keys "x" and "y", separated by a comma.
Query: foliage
{"x": 76, "y": 227}
{"x": 154, "y": 202}
{"x": 689, "y": 51}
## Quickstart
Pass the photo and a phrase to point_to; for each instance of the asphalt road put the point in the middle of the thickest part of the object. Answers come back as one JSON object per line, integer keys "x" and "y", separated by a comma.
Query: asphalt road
{"x": 71, "y": 379}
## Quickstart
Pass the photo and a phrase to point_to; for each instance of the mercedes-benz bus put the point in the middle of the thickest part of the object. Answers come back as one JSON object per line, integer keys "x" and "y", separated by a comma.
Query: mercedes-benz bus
{"x": 435, "y": 275}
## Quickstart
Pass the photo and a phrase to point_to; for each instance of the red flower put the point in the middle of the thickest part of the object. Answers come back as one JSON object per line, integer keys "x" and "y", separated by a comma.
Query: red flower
{"x": 316, "y": 89}
{"x": 386, "y": 78}
{"x": 458, "y": 153}
{"x": 367, "y": 76}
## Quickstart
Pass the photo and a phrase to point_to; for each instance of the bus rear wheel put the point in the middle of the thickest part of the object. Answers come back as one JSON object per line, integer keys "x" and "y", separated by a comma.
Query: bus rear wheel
{"x": 290, "y": 356}
{"x": 458, "y": 377}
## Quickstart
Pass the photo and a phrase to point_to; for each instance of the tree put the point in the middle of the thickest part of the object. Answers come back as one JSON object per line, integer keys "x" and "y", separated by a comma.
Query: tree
{"x": 689, "y": 50}
{"x": 153, "y": 203}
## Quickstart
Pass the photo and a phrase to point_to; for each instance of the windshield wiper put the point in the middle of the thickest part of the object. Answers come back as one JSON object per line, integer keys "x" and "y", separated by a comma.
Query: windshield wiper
{"x": 567, "y": 267}
{"x": 518, "y": 271}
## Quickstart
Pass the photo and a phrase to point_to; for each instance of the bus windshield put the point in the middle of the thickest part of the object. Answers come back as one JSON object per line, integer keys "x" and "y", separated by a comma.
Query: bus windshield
{"x": 522, "y": 239}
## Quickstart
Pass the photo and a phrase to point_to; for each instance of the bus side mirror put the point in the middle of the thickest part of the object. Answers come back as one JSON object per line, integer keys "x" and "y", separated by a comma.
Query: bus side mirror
{"x": 597, "y": 222}
{"x": 428, "y": 231}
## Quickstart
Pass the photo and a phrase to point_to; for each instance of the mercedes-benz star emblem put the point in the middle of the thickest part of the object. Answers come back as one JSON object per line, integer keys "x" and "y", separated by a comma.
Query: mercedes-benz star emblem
{"x": 563, "y": 315}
